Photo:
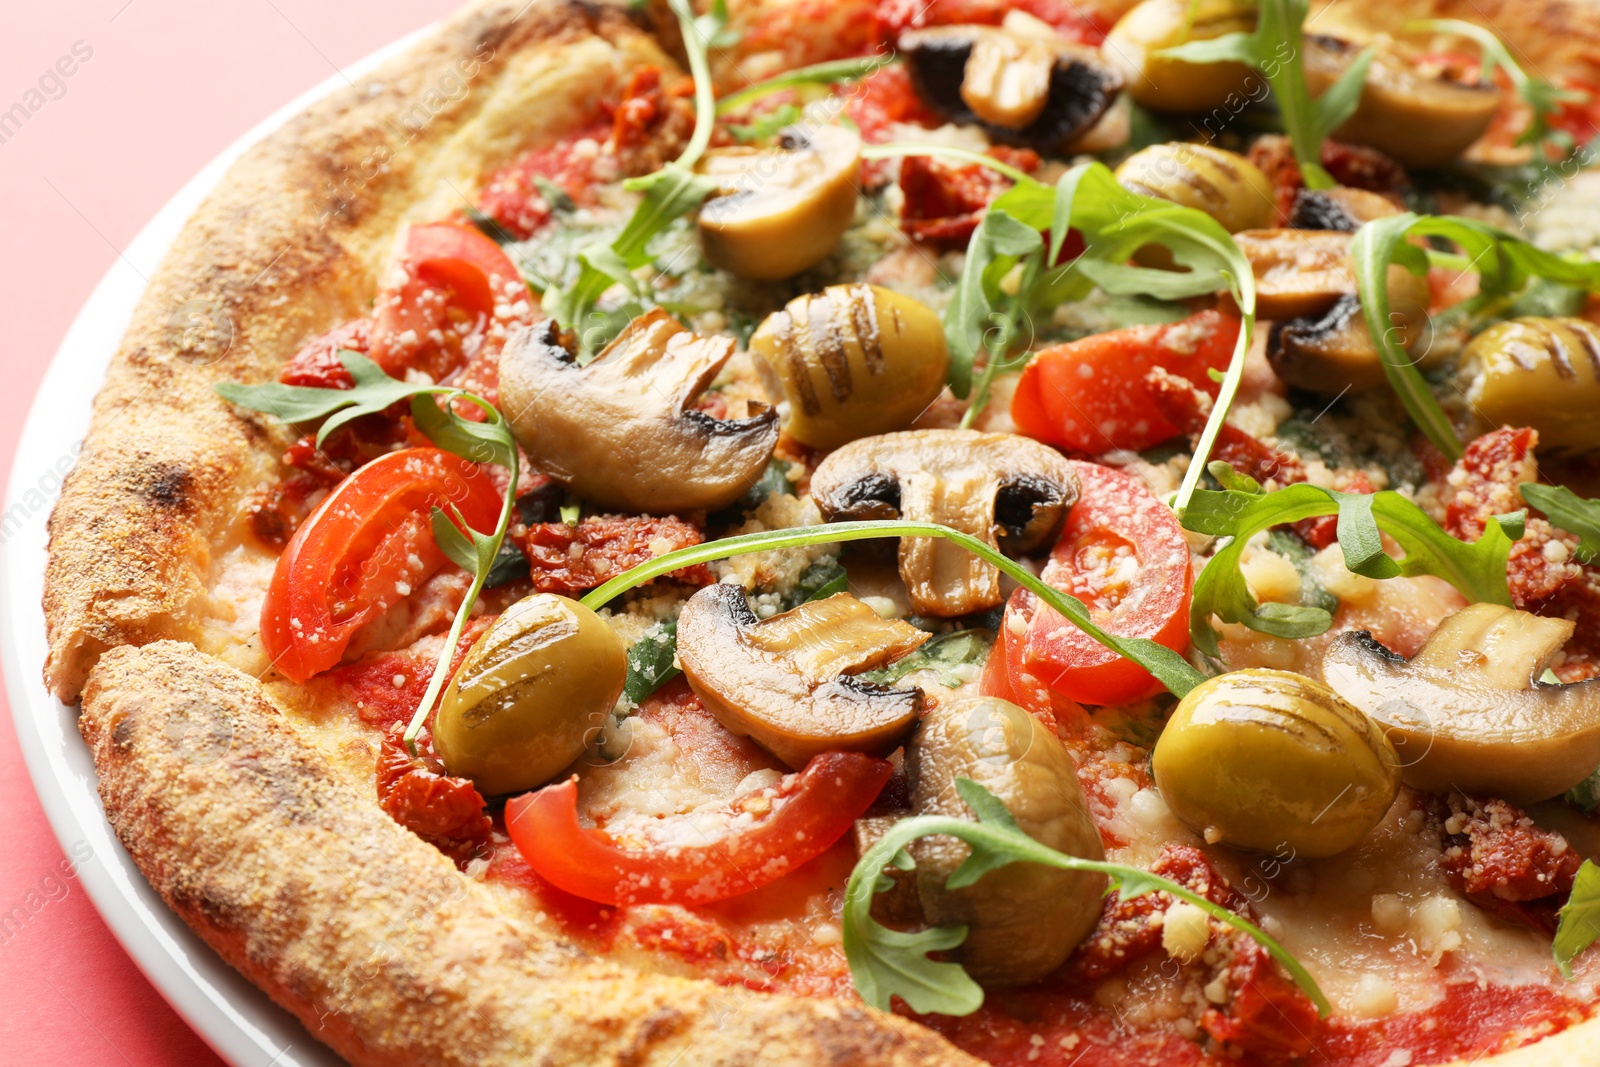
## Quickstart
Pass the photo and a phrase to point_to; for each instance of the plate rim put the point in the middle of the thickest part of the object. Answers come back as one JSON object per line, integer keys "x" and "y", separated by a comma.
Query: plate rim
{"x": 238, "y": 1020}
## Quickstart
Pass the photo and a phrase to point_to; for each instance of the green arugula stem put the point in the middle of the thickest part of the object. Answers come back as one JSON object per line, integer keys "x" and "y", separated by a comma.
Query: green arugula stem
{"x": 1175, "y": 672}
{"x": 898, "y": 149}
{"x": 832, "y": 72}
{"x": 1005, "y": 335}
{"x": 705, "y": 104}
{"x": 1283, "y": 20}
{"x": 994, "y": 838}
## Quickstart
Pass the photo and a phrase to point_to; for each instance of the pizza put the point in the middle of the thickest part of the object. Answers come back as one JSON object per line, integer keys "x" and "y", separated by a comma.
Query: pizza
{"x": 869, "y": 532}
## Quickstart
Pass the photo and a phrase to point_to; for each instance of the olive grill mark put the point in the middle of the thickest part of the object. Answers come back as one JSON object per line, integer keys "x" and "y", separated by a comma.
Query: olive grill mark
{"x": 829, "y": 341}
{"x": 1558, "y": 351}
{"x": 823, "y": 344}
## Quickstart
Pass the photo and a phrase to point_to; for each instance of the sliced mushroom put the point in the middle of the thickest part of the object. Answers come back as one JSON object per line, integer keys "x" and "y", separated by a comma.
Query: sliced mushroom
{"x": 1020, "y": 87}
{"x": 1466, "y": 712}
{"x": 1333, "y": 353}
{"x": 1305, "y": 272}
{"x": 1341, "y": 208}
{"x": 1023, "y": 920}
{"x": 851, "y": 361}
{"x": 780, "y": 210}
{"x": 1010, "y": 491}
{"x": 619, "y": 432}
{"x": 787, "y": 683}
{"x": 1418, "y": 119}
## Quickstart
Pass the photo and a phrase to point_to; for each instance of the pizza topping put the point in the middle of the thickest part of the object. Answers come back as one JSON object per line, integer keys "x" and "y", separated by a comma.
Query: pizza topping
{"x": 1501, "y": 860}
{"x": 569, "y": 558}
{"x": 942, "y": 202}
{"x": 446, "y": 812}
{"x": 778, "y": 211}
{"x": 530, "y": 694}
{"x": 1539, "y": 372}
{"x": 621, "y": 431}
{"x": 1137, "y": 44}
{"x": 1223, "y": 184}
{"x": 1305, "y": 272}
{"x": 787, "y": 683}
{"x": 1332, "y": 353}
{"x": 1342, "y": 208}
{"x": 770, "y": 832}
{"x": 1467, "y": 710}
{"x": 1009, "y": 491}
{"x": 318, "y": 365}
{"x": 1023, "y": 920}
{"x": 1022, "y": 83}
{"x": 851, "y": 361}
{"x": 1267, "y": 760}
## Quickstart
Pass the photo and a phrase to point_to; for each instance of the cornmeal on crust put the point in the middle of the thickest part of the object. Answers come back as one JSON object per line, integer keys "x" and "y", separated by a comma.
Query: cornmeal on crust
{"x": 291, "y": 240}
{"x": 369, "y": 934}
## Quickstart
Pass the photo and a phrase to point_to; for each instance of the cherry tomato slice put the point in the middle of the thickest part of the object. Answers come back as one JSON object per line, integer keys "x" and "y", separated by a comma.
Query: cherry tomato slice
{"x": 364, "y": 548}
{"x": 1124, "y": 555}
{"x": 813, "y": 809}
{"x": 447, "y": 290}
{"x": 1089, "y": 396}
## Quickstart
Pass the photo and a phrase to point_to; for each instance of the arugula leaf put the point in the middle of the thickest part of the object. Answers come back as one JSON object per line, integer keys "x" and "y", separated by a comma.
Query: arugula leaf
{"x": 998, "y": 243}
{"x": 1505, "y": 263}
{"x": 942, "y": 654}
{"x": 1277, "y": 50}
{"x": 1585, "y": 796}
{"x": 650, "y": 662}
{"x": 1570, "y": 512}
{"x": 1542, "y": 96}
{"x": 887, "y": 963}
{"x": 1578, "y": 925}
{"x": 829, "y": 73}
{"x": 1477, "y": 570}
{"x": 509, "y": 565}
{"x": 489, "y": 441}
{"x": 823, "y": 578}
{"x": 765, "y": 126}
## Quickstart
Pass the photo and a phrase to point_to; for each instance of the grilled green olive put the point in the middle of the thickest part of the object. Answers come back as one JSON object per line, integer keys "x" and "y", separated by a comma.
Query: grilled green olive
{"x": 1223, "y": 184}
{"x": 1267, "y": 760}
{"x": 544, "y": 675}
{"x": 1539, "y": 372}
{"x": 1022, "y": 920}
{"x": 852, "y": 361}
{"x": 1162, "y": 83}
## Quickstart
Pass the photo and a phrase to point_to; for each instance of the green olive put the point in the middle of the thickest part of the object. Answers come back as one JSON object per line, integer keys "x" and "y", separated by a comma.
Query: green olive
{"x": 852, "y": 361}
{"x": 1539, "y": 372}
{"x": 1268, "y": 760}
{"x": 1223, "y": 184}
{"x": 1162, "y": 83}
{"x": 518, "y": 711}
{"x": 1022, "y": 920}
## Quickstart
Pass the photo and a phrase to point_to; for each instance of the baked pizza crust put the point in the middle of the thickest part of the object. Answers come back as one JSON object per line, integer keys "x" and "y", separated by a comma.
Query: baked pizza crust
{"x": 369, "y": 934}
{"x": 282, "y": 863}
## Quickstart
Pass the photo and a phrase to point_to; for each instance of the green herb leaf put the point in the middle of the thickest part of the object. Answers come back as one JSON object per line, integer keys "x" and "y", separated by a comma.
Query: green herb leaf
{"x": 830, "y": 73}
{"x": 650, "y": 662}
{"x": 1579, "y": 923}
{"x": 509, "y": 565}
{"x": 766, "y": 125}
{"x": 373, "y": 392}
{"x": 1570, "y": 512}
{"x": 942, "y": 654}
{"x": 1504, "y": 263}
{"x": 1585, "y": 796}
{"x": 1477, "y": 569}
{"x": 823, "y": 578}
{"x": 887, "y": 963}
{"x": 996, "y": 246}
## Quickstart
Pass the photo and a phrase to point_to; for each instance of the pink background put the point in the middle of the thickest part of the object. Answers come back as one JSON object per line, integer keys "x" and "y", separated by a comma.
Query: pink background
{"x": 168, "y": 85}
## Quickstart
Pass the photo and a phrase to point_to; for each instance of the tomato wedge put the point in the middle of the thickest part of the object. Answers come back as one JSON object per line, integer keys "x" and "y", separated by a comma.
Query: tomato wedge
{"x": 364, "y": 548}
{"x": 446, "y": 290}
{"x": 1124, "y": 555}
{"x": 1089, "y": 395}
{"x": 811, "y": 811}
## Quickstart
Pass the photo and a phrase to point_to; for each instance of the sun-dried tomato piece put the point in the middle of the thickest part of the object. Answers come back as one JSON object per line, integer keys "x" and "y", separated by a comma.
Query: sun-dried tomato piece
{"x": 444, "y": 811}
{"x": 569, "y": 559}
{"x": 317, "y": 363}
{"x": 1068, "y": 19}
{"x": 1349, "y": 164}
{"x": 1501, "y": 860}
{"x": 1266, "y": 1014}
{"x": 1187, "y": 408}
{"x": 943, "y": 202}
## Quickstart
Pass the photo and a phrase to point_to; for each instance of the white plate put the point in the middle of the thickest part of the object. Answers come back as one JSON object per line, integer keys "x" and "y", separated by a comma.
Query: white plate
{"x": 233, "y": 1016}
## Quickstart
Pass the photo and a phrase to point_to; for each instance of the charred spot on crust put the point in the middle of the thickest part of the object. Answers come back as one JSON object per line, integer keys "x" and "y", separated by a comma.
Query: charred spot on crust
{"x": 167, "y": 485}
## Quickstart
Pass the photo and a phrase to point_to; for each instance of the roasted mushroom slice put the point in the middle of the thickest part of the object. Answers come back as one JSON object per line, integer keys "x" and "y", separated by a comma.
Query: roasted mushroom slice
{"x": 780, "y": 210}
{"x": 786, "y": 683}
{"x": 1418, "y": 119}
{"x": 1333, "y": 353}
{"x": 1010, "y": 491}
{"x": 1022, "y": 920}
{"x": 1021, "y": 88}
{"x": 1305, "y": 272}
{"x": 851, "y": 361}
{"x": 1136, "y": 44}
{"x": 1539, "y": 372}
{"x": 619, "y": 432}
{"x": 1466, "y": 712}
{"x": 1341, "y": 208}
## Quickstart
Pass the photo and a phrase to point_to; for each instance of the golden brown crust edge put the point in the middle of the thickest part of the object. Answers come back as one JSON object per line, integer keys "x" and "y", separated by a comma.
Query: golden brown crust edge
{"x": 369, "y": 935}
{"x": 289, "y": 245}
